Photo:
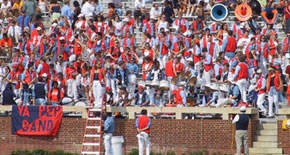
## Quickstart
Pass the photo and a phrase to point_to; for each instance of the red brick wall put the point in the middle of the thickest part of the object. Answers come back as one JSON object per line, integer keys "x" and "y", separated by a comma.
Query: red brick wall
{"x": 283, "y": 138}
{"x": 69, "y": 137}
{"x": 182, "y": 136}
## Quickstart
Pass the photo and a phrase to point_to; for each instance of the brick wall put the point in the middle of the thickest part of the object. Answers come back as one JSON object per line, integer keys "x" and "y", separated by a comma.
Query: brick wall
{"x": 283, "y": 138}
{"x": 69, "y": 137}
{"x": 182, "y": 136}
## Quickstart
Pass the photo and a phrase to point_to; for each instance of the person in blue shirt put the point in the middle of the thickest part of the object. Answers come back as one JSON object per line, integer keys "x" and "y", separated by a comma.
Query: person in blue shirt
{"x": 159, "y": 100}
{"x": 109, "y": 129}
{"x": 120, "y": 76}
{"x": 23, "y": 20}
{"x": 206, "y": 97}
{"x": 133, "y": 70}
{"x": 66, "y": 10}
{"x": 218, "y": 69}
{"x": 234, "y": 93}
{"x": 98, "y": 8}
{"x": 141, "y": 97}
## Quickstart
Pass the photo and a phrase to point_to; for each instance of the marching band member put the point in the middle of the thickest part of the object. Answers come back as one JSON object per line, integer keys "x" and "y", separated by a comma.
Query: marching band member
{"x": 149, "y": 27}
{"x": 274, "y": 84}
{"x": 286, "y": 47}
{"x": 261, "y": 89}
{"x": 197, "y": 56}
{"x": 78, "y": 64}
{"x": 237, "y": 30}
{"x": 262, "y": 47}
{"x": 241, "y": 76}
{"x": 133, "y": 71}
{"x": 163, "y": 49}
{"x": 243, "y": 42}
{"x": 156, "y": 74}
{"x": 221, "y": 35}
{"x": 121, "y": 77}
{"x": 55, "y": 95}
{"x": 208, "y": 65}
{"x": 229, "y": 46}
{"x": 214, "y": 28}
{"x": 180, "y": 23}
{"x": 128, "y": 41}
{"x": 169, "y": 71}
{"x": 43, "y": 47}
{"x": 27, "y": 79}
{"x": 14, "y": 77}
{"x": 71, "y": 73}
{"x": 141, "y": 97}
{"x": 273, "y": 46}
{"x": 180, "y": 95}
{"x": 39, "y": 91}
{"x": 18, "y": 59}
{"x": 218, "y": 69}
{"x": 197, "y": 25}
{"x": 97, "y": 84}
{"x": 127, "y": 27}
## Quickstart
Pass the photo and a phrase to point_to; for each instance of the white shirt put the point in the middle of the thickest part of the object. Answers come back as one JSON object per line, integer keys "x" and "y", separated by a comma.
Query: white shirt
{"x": 139, "y": 4}
{"x": 17, "y": 31}
{"x": 80, "y": 23}
{"x": 154, "y": 12}
{"x": 88, "y": 9}
{"x": 3, "y": 6}
{"x": 236, "y": 119}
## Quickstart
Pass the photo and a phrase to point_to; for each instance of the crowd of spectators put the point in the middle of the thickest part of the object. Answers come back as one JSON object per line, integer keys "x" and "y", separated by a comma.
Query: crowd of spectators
{"x": 172, "y": 54}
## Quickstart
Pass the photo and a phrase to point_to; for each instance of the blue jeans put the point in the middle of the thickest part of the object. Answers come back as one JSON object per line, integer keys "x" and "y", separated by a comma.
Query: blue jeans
{"x": 25, "y": 97}
{"x": 40, "y": 101}
{"x": 54, "y": 104}
{"x": 119, "y": 11}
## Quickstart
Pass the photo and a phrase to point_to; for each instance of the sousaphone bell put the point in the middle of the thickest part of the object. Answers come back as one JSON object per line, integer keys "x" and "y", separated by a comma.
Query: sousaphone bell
{"x": 219, "y": 12}
{"x": 269, "y": 15}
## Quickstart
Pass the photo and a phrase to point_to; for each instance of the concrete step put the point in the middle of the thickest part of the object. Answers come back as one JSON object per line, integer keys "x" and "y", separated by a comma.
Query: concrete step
{"x": 265, "y": 150}
{"x": 267, "y": 154}
{"x": 267, "y": 133}
{"x": 266, "y": 138}
{"x": 269, "y": 126}
{"x": 265, "y": 144}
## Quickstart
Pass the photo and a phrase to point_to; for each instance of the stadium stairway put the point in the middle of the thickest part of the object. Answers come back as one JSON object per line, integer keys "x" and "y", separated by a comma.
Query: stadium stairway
{"x": 266, "y": 140}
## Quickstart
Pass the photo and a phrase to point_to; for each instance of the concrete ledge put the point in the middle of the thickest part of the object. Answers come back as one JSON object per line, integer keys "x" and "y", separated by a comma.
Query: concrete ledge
{"x": 225, "y": 112}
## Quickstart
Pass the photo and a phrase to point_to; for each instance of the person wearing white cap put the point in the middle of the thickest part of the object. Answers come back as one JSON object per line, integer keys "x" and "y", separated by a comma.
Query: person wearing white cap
{"x": 261, "y": 90}
{"x": 242, "y": 123}
{"x": 127, "y": 27}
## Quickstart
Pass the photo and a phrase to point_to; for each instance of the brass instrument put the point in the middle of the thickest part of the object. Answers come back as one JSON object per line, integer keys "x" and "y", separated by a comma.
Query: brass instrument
{"x": 174, "y": 80}
{"x": 187, "y": 75}
{"x": 5, "y": 76}
{"x": 192, "y": 81}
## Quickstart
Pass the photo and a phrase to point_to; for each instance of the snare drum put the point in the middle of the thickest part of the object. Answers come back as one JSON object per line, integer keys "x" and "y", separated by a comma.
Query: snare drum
{"x": 81, "y": 104}
{"x": 132, "y": 79}
{"x": 148, "y": 82}
{"x": 67, "y": 101}
{"x": 141, "y": 83}
{"x": 164, "y": 85}
{"x": 155, "y": 84}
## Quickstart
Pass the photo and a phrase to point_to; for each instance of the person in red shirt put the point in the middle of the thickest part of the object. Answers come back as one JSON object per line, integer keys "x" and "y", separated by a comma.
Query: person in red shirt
{"x": 71, "y": 74}
{"x": 55, "y": 95}
{"x": 143, "y": 124}
{"x": 6, "y": 45}
{"x": 287, "y": 17}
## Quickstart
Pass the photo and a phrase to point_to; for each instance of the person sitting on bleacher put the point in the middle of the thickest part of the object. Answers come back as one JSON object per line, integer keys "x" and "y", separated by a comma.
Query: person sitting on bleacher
{"x": 141, "y": 97}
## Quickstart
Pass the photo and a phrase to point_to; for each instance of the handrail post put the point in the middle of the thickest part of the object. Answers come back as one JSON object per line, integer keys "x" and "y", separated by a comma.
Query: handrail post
{"x": 178, "y": 115}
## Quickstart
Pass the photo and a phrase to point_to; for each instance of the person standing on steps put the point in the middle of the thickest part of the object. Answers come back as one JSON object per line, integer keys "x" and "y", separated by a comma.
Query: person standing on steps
{"x": 242, "y": 123}
{"x": 109, "y": 128}
{"x": 143, "y": 124}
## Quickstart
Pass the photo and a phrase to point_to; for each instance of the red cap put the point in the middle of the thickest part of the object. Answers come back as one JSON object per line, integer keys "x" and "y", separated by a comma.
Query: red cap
{"x": 273, "y": 33}
{"x": 108, "y": 88}
{"x": 140, "y": 87}
{"x": 14, "y": 66}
